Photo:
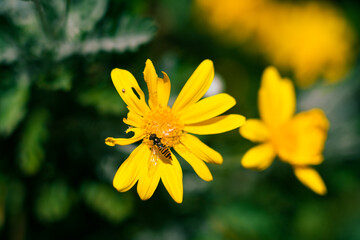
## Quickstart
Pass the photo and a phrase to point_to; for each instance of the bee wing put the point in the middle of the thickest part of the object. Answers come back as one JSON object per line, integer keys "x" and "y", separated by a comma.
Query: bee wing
{"x": 153, "y": 162}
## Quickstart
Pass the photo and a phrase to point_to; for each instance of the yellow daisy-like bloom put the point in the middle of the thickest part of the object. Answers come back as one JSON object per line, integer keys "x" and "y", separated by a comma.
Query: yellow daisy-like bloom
{"x": 312, "y": 39}
{"x": 161, "y": 128}
{"x": 297, "y": 140}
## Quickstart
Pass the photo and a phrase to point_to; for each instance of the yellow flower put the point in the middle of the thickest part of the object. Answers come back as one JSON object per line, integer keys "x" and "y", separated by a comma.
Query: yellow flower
{"x": 312, "y": 39}
{"x": 232, "y": 18}
{"x": 297, "y": 140}
{"x": 161, "y": 128}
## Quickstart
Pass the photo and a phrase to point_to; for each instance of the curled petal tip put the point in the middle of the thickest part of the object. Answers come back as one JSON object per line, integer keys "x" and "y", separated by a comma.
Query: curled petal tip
{"x": 110, "y": 141}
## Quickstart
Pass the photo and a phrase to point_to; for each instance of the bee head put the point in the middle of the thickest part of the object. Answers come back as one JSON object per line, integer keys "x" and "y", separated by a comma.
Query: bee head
{"x": 152, "y": 137}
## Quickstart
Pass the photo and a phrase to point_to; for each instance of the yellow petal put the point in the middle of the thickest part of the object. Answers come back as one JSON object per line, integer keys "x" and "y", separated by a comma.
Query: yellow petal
{"x": 315, "y": 117}
{"x": 126, "y": 86}
{"x": 302, "y": 158}
{"x": 302, "y": 140}
{"x": 216, "y": 125}
{"x": 138, "y": 135}
{"x": 201, "y": 150}
{"x": 255, "y": 130}
{"x": 276, "y": 98}
{"x": 310, "y": 178}
{"x": 133, "y": 119}
{"x": 151, "y": 80}
{"x": 196, "y": 86}
{"x": 207, "y": 108}
{"x": 128, "y": 173}
{"x": 164, "y": 87}
{"x": 148, "y": 183}
{"x": 197, "y": 164}
{"x": 259, "y": 157}
{"x": 172, "y": 178}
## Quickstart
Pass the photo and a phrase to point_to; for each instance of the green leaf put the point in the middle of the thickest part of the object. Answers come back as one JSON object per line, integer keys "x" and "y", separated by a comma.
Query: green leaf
{"x": 106, "y": 201}
{"x": 104, "y": 100}
{"x": 131, "y": 34}
{"x": 83, "y": 16}
{"x": 54, "y": 13}
{"x": 30, "y": 149}
{"x": 53, "y": 202}
{"x": 23, "y": 15}
{"x": 12, "y": 106}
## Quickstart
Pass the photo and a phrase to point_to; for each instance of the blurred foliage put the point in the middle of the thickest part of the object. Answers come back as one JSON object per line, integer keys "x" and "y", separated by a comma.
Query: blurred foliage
{"x": 105, "y": 100}
{"x": 8, "y": 52}
{"x": 13, "y": 105}
{"x": 3, "y": 193}
{"x": 129, "y": 35}
{"x": 107, "y": 202}
{"x": 61, "y": 79}
{"x": 53, "y": 202}
{"x": 242, "y": 220}
{"x": 30, "y": 149}
{"x": 58, "y": 104}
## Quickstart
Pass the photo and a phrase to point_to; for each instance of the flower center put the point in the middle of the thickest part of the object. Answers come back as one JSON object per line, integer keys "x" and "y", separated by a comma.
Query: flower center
{"x": 165, "y": 125}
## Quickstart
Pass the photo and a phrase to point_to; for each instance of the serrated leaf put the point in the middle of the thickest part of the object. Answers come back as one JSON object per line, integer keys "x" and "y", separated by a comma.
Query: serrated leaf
{"x": 83, "y": 16}
{"x": 53, "y": 202}
{"x": 132, "y": 25}
{"x": 12, "y": 106}
{"x": 131, "y": 34}
{"x": 23, "y": 15}
{"x": 104, "y": 100}
{"x": 106, "y": 201}
{"x": 54, "y": 12}
{"x": 31, "y": 152}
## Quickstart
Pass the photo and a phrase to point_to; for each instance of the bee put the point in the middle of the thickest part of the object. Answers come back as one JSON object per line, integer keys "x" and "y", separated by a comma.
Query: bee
{"x": 155, "y": 150}
{"x": 163, "y": 149}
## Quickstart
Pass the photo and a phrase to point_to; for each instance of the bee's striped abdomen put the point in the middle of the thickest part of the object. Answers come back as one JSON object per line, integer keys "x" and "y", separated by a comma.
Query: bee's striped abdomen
{"x": 165, "y": 151}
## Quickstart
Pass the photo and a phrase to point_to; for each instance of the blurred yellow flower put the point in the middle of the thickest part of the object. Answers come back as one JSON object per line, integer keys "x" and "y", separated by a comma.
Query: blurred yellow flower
{"x": 237, "y": 19}
{"x": 312, "y": 39}
{"x": 161, "y": 128}
{"x": 297, "y": 140}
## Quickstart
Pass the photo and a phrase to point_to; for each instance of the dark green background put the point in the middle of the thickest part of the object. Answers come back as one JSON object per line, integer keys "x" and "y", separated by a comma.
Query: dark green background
{"x": 58, "y": 104}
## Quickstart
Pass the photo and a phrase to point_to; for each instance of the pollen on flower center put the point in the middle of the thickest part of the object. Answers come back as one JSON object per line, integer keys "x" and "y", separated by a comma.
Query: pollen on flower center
{"x": 163, "y": 123}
